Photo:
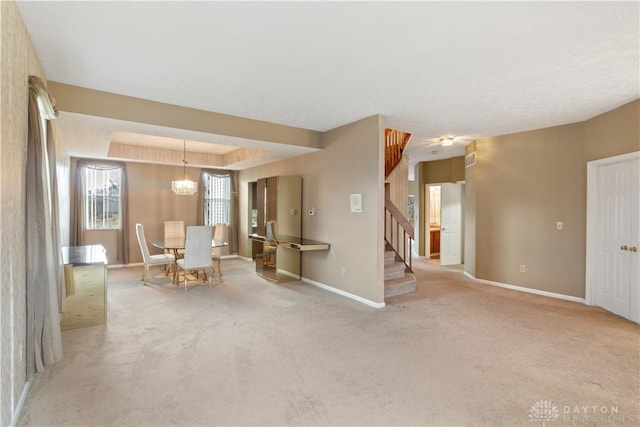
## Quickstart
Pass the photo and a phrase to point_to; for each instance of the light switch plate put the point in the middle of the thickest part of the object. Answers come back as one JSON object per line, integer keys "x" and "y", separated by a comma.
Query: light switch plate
{"x": 559, "y": 225}
{"x": 355, "y": 202}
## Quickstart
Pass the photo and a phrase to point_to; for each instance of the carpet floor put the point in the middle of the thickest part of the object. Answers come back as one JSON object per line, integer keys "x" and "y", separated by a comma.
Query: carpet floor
{"x": 252, "y": 352}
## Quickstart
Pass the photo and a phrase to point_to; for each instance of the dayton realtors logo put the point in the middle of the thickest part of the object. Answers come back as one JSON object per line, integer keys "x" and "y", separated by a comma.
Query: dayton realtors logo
{"x": 543, "y": 411}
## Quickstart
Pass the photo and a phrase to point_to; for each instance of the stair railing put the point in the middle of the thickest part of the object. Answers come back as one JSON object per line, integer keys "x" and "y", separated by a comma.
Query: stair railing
{"x": 394, "y": 143}
{"x": 398, "y": 233}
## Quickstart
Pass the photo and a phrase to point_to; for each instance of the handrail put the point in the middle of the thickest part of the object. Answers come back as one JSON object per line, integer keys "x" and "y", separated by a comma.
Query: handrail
{"x": 400, "y": 242}
{"x": 399, "y": 217}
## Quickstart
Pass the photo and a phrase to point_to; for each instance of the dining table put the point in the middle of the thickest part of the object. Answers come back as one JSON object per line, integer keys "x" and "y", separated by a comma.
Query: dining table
{"x": 176, "y": 244}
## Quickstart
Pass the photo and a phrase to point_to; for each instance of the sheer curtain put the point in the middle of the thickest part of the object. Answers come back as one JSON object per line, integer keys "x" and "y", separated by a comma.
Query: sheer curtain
{"x": 233, "y": 203}
{"x": 77, "y": 205}
{"x": 45, "y": 280}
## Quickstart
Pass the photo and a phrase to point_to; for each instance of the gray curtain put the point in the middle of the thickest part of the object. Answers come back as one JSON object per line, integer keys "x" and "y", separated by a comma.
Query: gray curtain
{"x": 55, "y": 213}
{"x": 77, "y": 205}
{"x": 233, "y": 208}
{"x": 45, "y": 283}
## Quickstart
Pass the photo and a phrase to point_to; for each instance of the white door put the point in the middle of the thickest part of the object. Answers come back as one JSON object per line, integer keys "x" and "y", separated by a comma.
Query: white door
{"x": 617, "y": 286}
{"x": 451, "y": 224}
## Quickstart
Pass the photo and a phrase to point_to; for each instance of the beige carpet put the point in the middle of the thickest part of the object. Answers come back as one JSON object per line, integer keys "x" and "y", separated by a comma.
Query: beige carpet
{"x": 251, "y": 352}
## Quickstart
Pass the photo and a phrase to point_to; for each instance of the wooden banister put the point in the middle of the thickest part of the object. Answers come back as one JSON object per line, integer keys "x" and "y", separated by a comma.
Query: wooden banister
{"x": 398, "y": 233}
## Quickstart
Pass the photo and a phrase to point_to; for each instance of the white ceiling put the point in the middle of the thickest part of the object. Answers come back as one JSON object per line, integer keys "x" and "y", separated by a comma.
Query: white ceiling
{"x": 434, "y": 69}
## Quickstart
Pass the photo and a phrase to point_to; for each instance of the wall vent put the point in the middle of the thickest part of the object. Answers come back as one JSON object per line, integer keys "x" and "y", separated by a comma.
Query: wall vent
{"x": 470, "y": 159}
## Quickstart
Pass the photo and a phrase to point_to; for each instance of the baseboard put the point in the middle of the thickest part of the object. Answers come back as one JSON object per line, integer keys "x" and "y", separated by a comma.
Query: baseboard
{"x": 344, "y": 293}
{"x": 135, "y": 264}
{"x": 23, "y": 398}
{"x": 141, "y": 264}
{"x": 288, "y": 274}
{"x": 527, "y": 290}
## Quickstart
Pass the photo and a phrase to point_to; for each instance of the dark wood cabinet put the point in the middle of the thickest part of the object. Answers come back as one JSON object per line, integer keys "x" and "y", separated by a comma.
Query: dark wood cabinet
{"x": 434, "y": 246}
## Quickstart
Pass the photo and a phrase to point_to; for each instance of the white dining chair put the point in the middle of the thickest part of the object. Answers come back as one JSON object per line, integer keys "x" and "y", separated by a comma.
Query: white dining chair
{"x": 148, "y": 259}
{"x": 197, "y": 252}
{"x": 221, "y": 233}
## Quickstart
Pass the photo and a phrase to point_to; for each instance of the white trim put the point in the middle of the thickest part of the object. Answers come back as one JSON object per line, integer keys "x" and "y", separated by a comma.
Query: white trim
{"x": 527, "y": 290}
{"x": 288, "y": 273}
{"x": 124, "y": 265}
{"x": 23, "y": 398}
{"x": 141, "y": 264}
{"x": 592, "y": 209}
{"x": 344, "y": 293}
{"x": 244, "y": 258}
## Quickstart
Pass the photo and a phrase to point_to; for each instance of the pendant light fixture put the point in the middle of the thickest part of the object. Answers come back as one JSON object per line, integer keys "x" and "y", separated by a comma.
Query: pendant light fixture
{"x": 184, "y": 187}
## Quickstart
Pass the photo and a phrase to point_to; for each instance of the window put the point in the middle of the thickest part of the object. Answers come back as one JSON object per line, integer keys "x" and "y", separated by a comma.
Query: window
{"x": 217, "y": 199}
{"x": 102, "y": 204}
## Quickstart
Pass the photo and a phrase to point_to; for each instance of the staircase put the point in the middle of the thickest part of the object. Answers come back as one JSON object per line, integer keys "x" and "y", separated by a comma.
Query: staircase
{"x": 398, "y": 232}
{"x": 397, "y": 280}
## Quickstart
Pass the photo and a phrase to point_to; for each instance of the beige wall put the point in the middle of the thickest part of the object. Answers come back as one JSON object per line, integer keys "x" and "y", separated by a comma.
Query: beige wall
{"x": 151, "y": 203}
{"x": 414, "y": 191}
{"x": 613, "y": 133}
{"x": 75, "y": 99}
{"x": 522, "y": 184}
{"x": 445, "y": 170}
{"x": 17, "y": 61}
{"x": 434, "y": 172}
{"x": 470, "y": 202}
{"x": 398, "y": 181}
{"x": 351, "y": 162}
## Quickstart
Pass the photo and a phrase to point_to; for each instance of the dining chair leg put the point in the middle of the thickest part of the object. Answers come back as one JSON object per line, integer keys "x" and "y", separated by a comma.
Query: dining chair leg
{"x": 145, "y": 274}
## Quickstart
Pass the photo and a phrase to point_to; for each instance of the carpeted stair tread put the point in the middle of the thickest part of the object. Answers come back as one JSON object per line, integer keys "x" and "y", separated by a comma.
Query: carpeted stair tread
{"x": 389, "y": 257}
{"x": 399, "y": 286}
{"x": 394, "y": 270}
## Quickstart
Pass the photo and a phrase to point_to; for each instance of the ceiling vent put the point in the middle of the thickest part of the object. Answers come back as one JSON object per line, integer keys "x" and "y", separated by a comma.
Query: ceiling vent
{"x": 470, "y": 160}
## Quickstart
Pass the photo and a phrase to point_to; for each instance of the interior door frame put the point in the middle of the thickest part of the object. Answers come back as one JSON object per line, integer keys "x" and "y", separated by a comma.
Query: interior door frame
{"x": 460, "y": 189}
{"x": 592, "y": 211}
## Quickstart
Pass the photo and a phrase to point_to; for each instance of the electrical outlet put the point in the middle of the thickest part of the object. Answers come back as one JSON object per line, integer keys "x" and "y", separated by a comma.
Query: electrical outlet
{"x": 559, "y": 225}
{"x": 523, "y": 268}
{"x": 343, "y": 271}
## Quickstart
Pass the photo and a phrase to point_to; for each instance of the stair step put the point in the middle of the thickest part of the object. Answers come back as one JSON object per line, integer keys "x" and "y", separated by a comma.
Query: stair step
{"x": 394, "y": 270}
{"x": 389, "y": 257}
{"x": 400, "y": 286}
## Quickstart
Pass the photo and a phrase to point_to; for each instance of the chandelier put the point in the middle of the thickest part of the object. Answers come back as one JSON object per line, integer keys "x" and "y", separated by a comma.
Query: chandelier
{"x": 184, "y": 187}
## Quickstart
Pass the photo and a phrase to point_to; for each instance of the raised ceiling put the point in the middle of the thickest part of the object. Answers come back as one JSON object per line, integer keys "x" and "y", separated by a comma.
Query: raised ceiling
{"x": 469, "y": 69}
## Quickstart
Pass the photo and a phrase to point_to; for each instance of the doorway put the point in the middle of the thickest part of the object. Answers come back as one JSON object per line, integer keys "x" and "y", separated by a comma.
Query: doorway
{"x": 443, "y": 223}
{"x": 613, "y": 235}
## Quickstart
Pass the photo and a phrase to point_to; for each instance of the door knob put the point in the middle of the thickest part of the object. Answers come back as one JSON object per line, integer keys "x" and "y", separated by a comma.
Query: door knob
{"x": 633, "y": 249}
{"x": 624, "y": 248}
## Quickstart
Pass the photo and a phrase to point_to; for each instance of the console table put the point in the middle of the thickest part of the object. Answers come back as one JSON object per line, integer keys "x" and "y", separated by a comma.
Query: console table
{"x": 85, "y": 273}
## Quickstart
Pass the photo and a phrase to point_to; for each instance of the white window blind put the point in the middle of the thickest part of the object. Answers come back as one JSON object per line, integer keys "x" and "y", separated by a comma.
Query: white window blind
{"x": 217, "y": 199}
{"x": 102, "y": 198}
